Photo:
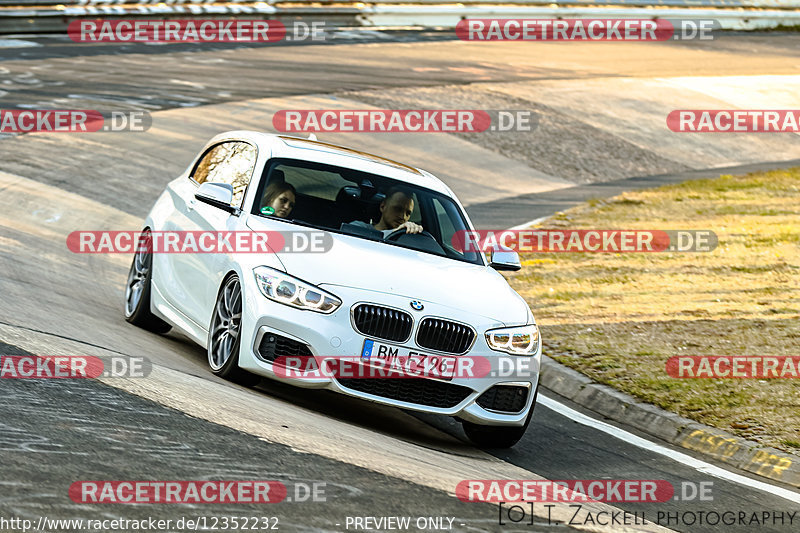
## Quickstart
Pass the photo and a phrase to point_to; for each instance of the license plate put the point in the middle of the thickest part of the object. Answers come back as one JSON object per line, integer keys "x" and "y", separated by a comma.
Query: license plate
{"x": 408, "y": 362}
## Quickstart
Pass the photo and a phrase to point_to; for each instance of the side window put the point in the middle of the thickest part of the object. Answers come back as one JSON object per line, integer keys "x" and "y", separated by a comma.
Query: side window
{"x": 450, "y": 222}
{"x": 416, "y": 214}
{"x": 445, "y": 222}
{"x": 229, "y": 162}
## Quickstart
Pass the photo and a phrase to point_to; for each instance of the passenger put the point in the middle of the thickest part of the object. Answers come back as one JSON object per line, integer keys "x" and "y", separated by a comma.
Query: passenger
{"x": 396, "y": 210}
{"x": 278, "y": 199}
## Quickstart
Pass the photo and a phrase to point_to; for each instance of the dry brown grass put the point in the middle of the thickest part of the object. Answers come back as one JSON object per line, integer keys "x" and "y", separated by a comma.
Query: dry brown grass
{"x": 618, "y": 317}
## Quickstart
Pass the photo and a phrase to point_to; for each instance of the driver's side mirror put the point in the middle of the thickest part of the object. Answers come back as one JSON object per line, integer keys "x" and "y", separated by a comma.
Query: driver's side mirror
{"x": 505, "y": 260}
{"x": 217, "y": 194}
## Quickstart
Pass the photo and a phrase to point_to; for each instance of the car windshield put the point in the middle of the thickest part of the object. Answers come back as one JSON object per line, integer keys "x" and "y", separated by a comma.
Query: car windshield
{"x": 361, "y": 204}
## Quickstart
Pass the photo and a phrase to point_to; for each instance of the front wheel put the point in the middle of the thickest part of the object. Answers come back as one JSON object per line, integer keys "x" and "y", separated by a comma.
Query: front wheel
{"x": 138, "y": 287}
{"x": 498, "y": 436}
{"x": 225, "y": 335}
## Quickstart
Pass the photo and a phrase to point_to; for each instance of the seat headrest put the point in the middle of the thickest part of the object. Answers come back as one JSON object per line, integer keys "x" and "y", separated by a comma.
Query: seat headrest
{"x": 353, "y": 207}
{"x": 348, "y": 194}
{"x": 277, "y": 176}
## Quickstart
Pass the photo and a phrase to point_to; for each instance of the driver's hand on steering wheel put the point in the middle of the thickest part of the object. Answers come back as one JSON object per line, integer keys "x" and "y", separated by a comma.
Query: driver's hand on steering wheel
{"x": 411, "y": 227}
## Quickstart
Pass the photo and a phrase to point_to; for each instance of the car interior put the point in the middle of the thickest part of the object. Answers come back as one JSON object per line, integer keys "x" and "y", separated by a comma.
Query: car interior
{"x": 334, "y": 198}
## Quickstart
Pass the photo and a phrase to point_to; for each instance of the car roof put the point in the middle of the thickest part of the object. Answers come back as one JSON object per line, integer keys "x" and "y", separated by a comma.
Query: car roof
{"x": 279, "y": 145}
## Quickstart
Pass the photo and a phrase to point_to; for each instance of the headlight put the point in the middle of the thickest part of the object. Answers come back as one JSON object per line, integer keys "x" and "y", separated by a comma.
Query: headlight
{"x": 285, "y": 289}
{"x": 519, "y": 340}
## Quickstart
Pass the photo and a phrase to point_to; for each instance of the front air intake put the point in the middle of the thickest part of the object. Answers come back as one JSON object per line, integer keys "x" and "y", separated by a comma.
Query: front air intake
{"x": 428, "y": 392}
{"x": 504, "y": 398}
{"x": 273, "y": 346}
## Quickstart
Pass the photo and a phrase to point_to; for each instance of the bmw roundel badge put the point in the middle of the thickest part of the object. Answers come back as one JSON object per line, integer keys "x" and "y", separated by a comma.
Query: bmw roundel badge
{"x": 416, "y": 305}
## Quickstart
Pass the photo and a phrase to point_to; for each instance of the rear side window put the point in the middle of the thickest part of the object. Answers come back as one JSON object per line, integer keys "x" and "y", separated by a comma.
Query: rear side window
{"x": 229, "y": 162}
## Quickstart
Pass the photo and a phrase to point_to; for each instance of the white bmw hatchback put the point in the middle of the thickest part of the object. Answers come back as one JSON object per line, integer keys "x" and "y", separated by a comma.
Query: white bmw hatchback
{"x": 402, "y": 294}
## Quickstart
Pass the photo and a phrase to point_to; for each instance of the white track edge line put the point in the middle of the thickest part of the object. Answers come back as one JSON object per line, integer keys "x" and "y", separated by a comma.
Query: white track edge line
{"x": 687, "y": 460}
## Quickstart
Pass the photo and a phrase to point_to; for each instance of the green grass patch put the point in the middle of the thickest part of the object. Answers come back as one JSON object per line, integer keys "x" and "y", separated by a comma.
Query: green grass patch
{"x": 618, "y": 317}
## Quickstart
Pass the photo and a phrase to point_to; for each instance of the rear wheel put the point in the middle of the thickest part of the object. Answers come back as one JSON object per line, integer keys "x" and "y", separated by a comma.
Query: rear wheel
{"x": 224, "y": 335}
{"x": 498, "y": 436}
{"x": 137, "y": 289}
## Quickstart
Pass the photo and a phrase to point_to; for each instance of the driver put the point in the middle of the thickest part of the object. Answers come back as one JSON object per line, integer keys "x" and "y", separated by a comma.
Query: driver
{"x": 396, "y": 210}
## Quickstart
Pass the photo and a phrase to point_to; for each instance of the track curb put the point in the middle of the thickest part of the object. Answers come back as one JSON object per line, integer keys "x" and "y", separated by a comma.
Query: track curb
{"x": 674, "y": 429}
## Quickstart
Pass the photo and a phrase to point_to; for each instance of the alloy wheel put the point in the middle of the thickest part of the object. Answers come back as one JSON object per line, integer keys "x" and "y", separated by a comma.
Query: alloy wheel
{"x": 226, "y": 324}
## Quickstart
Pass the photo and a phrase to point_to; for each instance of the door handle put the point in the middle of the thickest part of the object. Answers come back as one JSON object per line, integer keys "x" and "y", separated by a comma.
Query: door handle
{"x": 191, "y": 204}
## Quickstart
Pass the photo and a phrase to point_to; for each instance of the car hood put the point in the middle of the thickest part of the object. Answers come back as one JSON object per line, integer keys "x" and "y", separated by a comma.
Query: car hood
{"x": 373, "y": 266}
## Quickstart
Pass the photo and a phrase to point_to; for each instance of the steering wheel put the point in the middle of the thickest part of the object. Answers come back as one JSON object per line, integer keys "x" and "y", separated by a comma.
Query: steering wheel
{"x": 396, "y": 234}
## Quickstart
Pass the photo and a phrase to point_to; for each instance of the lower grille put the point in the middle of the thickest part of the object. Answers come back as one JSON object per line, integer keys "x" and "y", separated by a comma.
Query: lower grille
{"x": 505, "y": 398}
{"x": 419, "y": 391}
{"x": 273, "y": 346}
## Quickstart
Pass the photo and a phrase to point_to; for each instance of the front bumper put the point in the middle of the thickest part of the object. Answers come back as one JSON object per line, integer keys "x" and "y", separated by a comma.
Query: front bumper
{"x": 334, "y": 335}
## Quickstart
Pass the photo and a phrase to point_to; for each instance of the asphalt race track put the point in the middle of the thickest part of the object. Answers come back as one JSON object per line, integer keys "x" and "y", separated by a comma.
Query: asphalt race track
{"x": 183, "y": 423}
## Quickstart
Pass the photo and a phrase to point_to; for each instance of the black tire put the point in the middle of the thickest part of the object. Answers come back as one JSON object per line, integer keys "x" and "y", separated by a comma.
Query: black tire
{"x": 137, "y": 288}
{"x": 224, "y": 335}
{"x": 498, "y": 436}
